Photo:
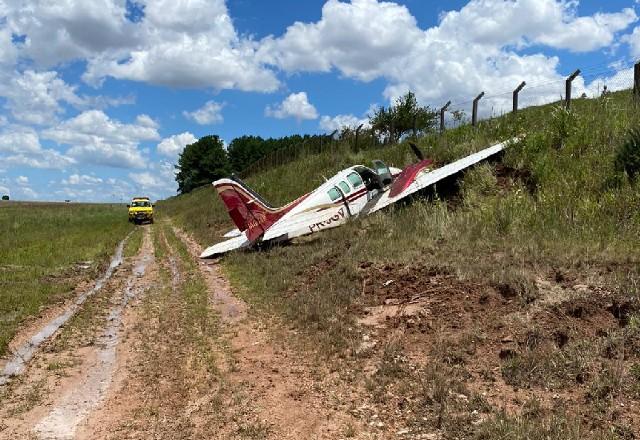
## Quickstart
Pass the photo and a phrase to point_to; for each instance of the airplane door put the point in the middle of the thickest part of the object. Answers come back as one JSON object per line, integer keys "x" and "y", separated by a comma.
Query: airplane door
{"x": 357, "y": 197}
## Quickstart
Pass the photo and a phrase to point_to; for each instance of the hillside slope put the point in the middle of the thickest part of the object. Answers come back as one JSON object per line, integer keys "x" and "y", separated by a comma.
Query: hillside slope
{"x": 508, "y": 308}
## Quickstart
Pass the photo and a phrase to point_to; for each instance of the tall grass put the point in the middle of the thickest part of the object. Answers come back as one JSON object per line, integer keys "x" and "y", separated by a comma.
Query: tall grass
{"x": 46, "y": 249}
{"x": 562, "y": 205}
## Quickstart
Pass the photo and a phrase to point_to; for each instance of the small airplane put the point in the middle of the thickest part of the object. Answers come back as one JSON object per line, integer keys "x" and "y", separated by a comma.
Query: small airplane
{"x": 352, "y": 192}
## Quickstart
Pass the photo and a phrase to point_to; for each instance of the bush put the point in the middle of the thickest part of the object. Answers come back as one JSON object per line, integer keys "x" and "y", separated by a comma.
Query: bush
{"x": 628, "y": 155}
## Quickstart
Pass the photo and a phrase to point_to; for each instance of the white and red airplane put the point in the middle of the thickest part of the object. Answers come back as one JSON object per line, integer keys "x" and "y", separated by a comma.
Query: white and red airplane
{"x": 352, "y": 192}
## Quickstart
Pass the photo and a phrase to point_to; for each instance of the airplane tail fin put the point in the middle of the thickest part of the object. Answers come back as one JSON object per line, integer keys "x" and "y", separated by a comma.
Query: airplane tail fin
{"x": 248, "y": 210}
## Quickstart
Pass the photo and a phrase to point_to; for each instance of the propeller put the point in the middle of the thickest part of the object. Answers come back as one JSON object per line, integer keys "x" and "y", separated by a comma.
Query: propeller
{"x": 416, "y": 151}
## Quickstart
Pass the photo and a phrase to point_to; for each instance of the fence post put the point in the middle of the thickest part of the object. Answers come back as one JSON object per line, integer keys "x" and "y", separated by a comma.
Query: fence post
{"x": 415, "y": 134}
{"x": 442, "y": 110}
{"x": 474, "y": 114}
{"x": 567, "y": 92}
{"x": 515, "y": 96}
{"x": 357, "y": 134}
{"x": 636, "y": 81}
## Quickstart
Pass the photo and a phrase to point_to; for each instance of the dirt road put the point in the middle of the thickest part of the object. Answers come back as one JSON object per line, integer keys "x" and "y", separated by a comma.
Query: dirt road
{"x": 164, "y": 350}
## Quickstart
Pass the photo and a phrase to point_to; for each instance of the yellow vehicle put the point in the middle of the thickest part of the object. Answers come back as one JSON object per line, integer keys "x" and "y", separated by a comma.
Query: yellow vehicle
{"x": 140, "y": 210}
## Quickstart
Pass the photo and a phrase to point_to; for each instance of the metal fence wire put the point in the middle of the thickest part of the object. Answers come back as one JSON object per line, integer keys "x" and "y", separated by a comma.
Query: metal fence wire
{"x": 586, "y": 83}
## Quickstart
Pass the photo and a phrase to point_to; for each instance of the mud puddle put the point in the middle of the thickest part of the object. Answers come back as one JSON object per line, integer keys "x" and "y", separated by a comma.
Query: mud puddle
{"x": 25, "y": 352}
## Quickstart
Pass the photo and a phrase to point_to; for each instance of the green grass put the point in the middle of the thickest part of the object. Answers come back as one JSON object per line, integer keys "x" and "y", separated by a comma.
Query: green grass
{"x": 46, "y": 249}
{"x": 566, "y": 213}
{"x": 133, "y": 244}
{"x": 557, "y": 203}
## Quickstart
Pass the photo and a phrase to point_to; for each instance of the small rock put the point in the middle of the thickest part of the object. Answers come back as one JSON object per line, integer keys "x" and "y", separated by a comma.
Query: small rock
{"x": 387, "y": 283}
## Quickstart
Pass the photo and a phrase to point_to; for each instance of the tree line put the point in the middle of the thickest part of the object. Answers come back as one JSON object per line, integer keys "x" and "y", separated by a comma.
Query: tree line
{"x": 207, "y": 159}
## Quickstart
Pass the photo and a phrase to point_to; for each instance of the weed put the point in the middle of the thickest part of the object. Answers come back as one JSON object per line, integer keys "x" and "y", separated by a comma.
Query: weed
{"x": 628, "y": 155}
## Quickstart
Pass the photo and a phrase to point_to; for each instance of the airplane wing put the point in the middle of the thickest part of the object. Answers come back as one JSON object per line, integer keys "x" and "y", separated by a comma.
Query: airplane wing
{"x": 237, "y": 242}
{"x": 423, "y": 179}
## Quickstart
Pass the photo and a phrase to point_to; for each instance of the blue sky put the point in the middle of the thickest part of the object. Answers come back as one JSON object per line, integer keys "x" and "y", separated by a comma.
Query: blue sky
{"x": 98, "y": 98}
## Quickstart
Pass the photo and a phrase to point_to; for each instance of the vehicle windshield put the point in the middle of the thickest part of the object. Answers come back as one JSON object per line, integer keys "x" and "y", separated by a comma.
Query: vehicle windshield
{"x": 140, "y": 204}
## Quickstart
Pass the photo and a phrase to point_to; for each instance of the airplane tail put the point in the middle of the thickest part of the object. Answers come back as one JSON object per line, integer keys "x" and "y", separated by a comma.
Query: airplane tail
{"x": 248, "y": 210}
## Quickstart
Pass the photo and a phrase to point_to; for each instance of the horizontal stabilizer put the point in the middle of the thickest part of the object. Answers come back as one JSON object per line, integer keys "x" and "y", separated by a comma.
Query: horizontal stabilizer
{"x": 239, "y": 242}
{"x": 233, "y": 233}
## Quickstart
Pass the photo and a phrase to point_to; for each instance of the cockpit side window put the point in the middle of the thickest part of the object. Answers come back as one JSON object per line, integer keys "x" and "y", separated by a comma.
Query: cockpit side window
{"x": 344, "y": 186}
{"x": 355, "y": 179}
{"x": 334, "y": 194}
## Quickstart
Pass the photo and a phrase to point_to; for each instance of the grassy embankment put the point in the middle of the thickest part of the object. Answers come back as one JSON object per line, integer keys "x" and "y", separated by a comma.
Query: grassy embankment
{"x": 46, "y": 250}
{"x": 555, "y": 223}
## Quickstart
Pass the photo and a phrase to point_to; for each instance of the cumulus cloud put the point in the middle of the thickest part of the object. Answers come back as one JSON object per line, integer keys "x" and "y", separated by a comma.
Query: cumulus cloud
{"x": 209, "y": 113}
{"x": 173, "y": 145}
{"x": 20, "y": 146}
{"x": 158, "y": 182}
{"x": 95, "y": 138}
{"x": 35, "y": 97}
{"x": 185, "y": 44}
{"x": 22, "y": 180}
{"x": 338, "y": 122}
{"x": 26, "y": 193}
{"x": 81, "y": 179}
{"x": 633, "y": 40}
{"x": 82, "y": 187}
{"x": 296, "y": 105}
{"x": 471, "y": 49}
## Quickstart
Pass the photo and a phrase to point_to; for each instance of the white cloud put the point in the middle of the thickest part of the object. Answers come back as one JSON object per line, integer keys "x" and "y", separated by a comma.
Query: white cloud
{"x": 296, "y": 105}
{"x": 210, "y": 113}
{"x": 81, "y": 179}
{"x": 633, "y": 40}
{"x": 27, "y": 193}
{"x": 68, "y": 30}
{"x": 157, "y": 183}
{"x": 22, "y": 180}
{"x": 173, "y": 145}
{"x": 4, "y": 191}
{"x": 20, "y": 146}
{"x": 185, "y": 44}
{"x": 470, "y": 50}
{"x": 95, "y": 138}
{"x": 338, "y": 122}
{"x": 34, "y": 97}
{"x": 20, "y": 140}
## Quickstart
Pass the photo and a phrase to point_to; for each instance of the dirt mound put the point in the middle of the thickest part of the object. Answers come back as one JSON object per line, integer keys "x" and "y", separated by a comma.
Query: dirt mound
{"x": 569, "y": 348}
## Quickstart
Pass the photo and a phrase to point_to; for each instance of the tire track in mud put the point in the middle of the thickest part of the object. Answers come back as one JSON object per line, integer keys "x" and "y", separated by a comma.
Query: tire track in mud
{"x": 283, "y": 394}
{"x": 75, "y": 393}
{"x": 23, "y": 354}
{"x": 73, "y": 407}
{"x": 171, "y": 390}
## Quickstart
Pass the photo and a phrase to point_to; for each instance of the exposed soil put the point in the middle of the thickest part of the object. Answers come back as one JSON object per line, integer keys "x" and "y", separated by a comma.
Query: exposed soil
{"x": 166, "y": 350}
{"x": 143, "y": 363}
{"x": 505, "y": 349}
{"x": 289, "y": 391}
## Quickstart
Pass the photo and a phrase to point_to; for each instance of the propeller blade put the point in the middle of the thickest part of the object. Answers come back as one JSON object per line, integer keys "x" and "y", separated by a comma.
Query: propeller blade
{"x": 416, "y": 151}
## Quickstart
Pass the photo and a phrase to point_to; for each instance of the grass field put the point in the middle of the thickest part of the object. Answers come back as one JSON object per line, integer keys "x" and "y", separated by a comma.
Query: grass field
{"x": 46, "y": 249}
{"x": 551, "y": 226}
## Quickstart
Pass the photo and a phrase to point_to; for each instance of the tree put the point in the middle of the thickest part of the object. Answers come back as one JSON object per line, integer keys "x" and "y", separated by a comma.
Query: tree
{"x": 201, "y": 163}
{"x": 404, "y": 116}
{"x": 245, "y": 150}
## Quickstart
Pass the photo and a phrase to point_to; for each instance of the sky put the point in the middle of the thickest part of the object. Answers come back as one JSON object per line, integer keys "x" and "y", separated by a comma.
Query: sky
{"x": 98, "y": 98}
